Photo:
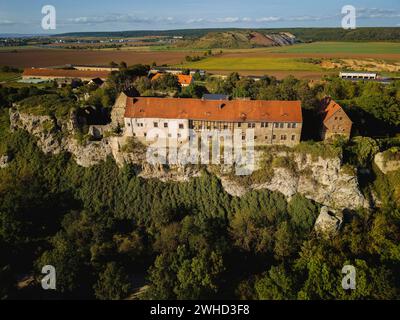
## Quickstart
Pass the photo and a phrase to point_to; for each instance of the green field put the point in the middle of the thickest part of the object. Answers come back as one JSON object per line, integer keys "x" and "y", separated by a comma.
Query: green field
{"x": 9, "y": 76}
{"x": 341, "y": 47}
{"x": 253, "y": 63}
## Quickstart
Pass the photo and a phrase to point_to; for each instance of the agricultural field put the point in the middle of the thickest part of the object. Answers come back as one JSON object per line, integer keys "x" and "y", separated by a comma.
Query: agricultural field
{"x": 9, "y": 76}
{"x": 306, "y": 61}
{"x": 56, "y": 57}
{"x": 353, "y": 48}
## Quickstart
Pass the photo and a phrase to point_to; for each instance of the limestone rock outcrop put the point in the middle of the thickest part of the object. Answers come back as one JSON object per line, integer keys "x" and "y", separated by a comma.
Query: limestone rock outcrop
{"x": 321, "y": 180}
{"x": 4, "y": 161}
{"x": 386, "y": 166}
{"x": 328, "y": 222}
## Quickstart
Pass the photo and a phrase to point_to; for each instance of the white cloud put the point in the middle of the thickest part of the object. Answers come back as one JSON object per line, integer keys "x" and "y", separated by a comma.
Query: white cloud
{"x": 5, "y": 22}
{"x": 269, "y": 19}
{"x": 197, "y": 20}
{"x": 376, "y": 13}
{"x": 121, "y": 18}
{"x": 228, "y": 20}
{"x": 117, "y": 18}
{"x": 306, "y": 18}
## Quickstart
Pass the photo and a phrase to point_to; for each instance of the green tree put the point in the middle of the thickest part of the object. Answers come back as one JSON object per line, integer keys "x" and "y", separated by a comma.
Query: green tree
{"x": 276, "y": 284}
{"x": 113, "y": 283}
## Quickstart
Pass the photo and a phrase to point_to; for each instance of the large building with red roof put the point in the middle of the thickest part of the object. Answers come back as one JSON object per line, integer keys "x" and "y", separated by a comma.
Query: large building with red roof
{"x": 64, "y": 74}
{"x": 274, "y": 122}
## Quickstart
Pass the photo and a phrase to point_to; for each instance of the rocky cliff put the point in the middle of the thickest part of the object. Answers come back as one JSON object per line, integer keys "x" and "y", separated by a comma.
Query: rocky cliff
{"x": 320, "y": 179}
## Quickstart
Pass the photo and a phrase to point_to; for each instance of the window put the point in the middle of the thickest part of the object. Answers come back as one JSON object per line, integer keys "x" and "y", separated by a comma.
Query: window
{"x": 239, "y": 125}
{"x": 251, "y": 125}
{"x": 243, "y": 137}
{"x": 293, "y": 137}
{"x": 165, "y": 125}
{"x": 225, "y": 126}
{"x": 179, "y": 135}
{"x": 276, "y": 125}
{"x": 283, "y": 137}
{"x": 294, "y": 125}
{"x": 145, "y": 134}
{"x": 155, "y": 124}
{"x": 181, "y": 126}
{"x": 281, "y": 125}
{"x": 128, "y": 124}
{"x": 255, "y": 137}
{"x": 266, "y": 137}
{"x": 274, "y": 137}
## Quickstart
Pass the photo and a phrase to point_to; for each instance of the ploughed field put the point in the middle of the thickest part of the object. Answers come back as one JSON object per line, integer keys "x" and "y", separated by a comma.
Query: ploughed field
{"x": 55, "y": 57}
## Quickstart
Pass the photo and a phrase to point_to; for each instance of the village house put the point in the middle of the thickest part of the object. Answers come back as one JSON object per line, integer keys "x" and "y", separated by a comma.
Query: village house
{"x": 184, "y": 80}
{"x": 335, "y": 121}
{"x": 274, "y": 122}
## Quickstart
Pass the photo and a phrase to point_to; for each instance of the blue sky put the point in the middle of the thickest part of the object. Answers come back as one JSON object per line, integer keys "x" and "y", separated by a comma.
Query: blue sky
{"x": 24, "y": 16}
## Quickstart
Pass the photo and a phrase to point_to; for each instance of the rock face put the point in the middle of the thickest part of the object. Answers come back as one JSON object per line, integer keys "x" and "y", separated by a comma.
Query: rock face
{"x": 328, "y": 223}
{"x": 386, "y": 166}
{"x": 42, "y": 127}
{"x": 47, "y": 131}
{"x": 4, "y": 161}
{"x": 321, "y": 180}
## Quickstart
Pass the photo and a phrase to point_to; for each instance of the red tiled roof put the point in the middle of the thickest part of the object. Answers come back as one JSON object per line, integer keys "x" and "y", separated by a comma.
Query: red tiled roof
{"x": 62, "y": 73}
{"x": 156, "y": 76}
{"x": 182, "y": 79}
{"x": 330, "y": 108}
{"x": 197, "y": 109}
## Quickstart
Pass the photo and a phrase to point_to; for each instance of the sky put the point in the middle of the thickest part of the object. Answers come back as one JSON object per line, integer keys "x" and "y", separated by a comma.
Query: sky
{"x": 25, "y": 16}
